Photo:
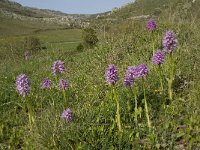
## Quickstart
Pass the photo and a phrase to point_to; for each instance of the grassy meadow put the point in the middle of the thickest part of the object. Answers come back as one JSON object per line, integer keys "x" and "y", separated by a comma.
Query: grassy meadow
{"x": 174, "y": 122}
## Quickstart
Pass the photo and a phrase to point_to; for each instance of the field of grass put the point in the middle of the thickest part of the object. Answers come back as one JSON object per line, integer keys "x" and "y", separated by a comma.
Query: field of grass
{"x": 66, "y": 40}
{"x": 47, "y": 36}
{"x": 10, "y": 27}
{"x": 175, "y": 123}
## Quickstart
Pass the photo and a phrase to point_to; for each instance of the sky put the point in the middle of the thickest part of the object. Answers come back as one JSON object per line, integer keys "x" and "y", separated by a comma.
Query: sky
{"x": 75, "y": 6}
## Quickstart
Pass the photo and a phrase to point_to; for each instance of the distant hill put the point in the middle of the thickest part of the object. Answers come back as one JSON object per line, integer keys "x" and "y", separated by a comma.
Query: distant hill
{"x": 18, "y": 9}
{"x": 16, "y": 18}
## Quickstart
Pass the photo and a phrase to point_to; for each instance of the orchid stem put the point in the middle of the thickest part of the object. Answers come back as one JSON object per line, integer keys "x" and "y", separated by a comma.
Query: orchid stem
{"x": 118, "y": 119}
{"x": 161, "y": 79}
{"x": 30, "y": 113}
{"x": 170, "y": 90}
{"x": 136, "y": 107}
{"x": 145, "y": 105}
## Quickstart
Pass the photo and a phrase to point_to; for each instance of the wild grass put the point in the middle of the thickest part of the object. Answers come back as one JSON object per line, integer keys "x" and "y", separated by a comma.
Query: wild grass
{"x": 10, "y": 27}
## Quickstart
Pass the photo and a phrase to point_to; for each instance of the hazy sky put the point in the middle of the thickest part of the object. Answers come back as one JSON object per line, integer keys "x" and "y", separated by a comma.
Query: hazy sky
{"x": 75, "y": 6}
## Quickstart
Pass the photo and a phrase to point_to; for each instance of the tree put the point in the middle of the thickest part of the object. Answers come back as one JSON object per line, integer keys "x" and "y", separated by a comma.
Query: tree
{"x": 89, "y": 37}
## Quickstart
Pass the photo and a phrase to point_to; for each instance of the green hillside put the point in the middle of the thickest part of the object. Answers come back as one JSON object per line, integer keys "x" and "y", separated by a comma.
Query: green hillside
{"x": 160, "y": 111}
{"x": 176, "y": 10}
{"x": 157, "y": 8}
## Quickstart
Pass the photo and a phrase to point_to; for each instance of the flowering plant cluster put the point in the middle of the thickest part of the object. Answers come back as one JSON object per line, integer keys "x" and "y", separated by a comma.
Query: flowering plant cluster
{"x": 67, "y": 115}
{"x": 46, "y": 84}
{"x": 169, "y": 44}
{"x": 58, "y": 67}
{"x": 22, "y": 85}
{"x": 158, "y": 58}
{"x": 151, "y": 24}
{"x": 111, "y": 75}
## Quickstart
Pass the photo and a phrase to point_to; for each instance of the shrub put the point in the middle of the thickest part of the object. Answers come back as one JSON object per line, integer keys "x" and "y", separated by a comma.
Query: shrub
{"x": 32, "y": 44}
{"x": 80, "y": 47}
{"x": 89, "y": 38}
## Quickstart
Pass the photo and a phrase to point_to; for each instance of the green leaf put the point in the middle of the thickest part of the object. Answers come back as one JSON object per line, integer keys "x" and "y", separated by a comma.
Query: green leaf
{"x": 180, "y": 135}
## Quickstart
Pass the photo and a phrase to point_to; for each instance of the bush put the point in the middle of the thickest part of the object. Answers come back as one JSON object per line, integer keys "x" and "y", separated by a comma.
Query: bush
{"x": 80, "y": 47}
{"x": 32, "y": 44}
{"x": 89, "y": 38}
